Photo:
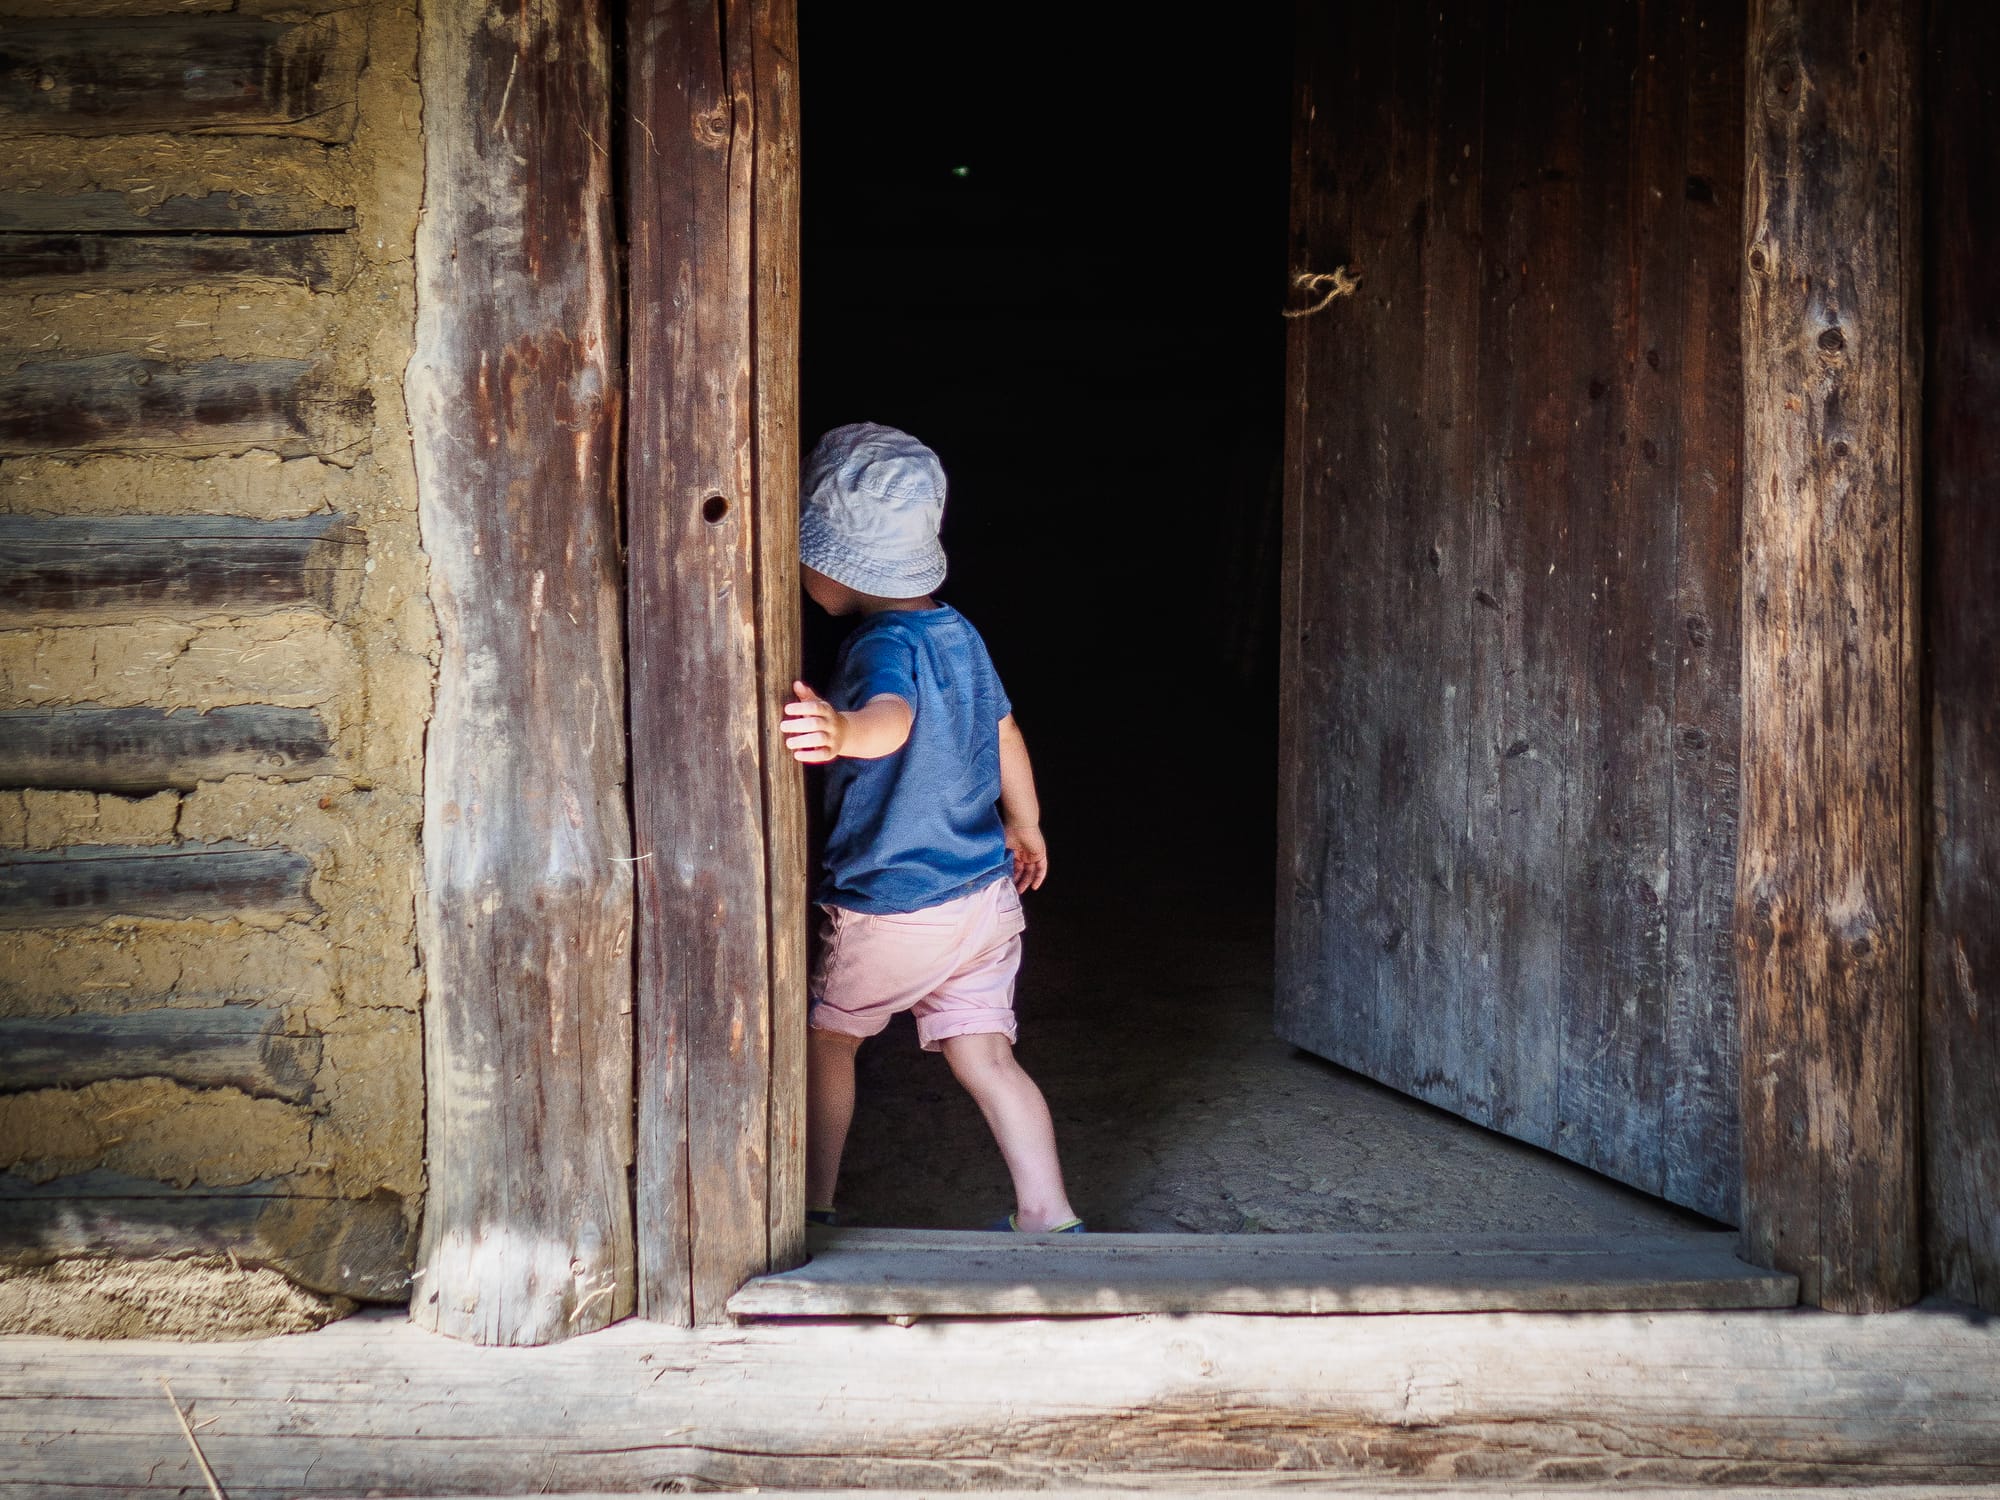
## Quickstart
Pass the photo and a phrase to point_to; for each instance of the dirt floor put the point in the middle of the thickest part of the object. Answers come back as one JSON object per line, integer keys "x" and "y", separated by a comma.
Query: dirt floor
{"x": 1145, "y": 1006}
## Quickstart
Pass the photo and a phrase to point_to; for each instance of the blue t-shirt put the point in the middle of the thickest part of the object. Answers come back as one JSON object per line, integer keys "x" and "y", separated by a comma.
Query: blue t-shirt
{"x": 921, "y": 826}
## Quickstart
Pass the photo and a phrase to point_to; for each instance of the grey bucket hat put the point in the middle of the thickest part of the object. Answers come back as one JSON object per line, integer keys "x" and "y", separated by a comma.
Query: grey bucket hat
{"x": 868, "y": 517}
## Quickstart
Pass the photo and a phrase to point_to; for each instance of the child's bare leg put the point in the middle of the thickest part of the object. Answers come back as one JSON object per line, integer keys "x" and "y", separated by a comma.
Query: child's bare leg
{"x": 829, "y": 1110}
{"x": 1019, "y": 1118}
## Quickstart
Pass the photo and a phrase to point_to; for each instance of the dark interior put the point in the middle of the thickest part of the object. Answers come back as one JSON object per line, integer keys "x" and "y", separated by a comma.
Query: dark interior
{"x": 1065, "y": 278}
{"x": 1061, "y": 264}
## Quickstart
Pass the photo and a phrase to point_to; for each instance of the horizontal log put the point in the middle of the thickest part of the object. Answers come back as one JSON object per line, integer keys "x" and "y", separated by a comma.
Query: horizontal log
{"x": 88, "y": 883}
{"x": 136, "y": 750}
{"x": 243, "y": 1047}
{"x": 1513, "y": 1403}
{"x": 113, "y": 402}
{"x": 33, "y": 212}
{"x": 75, "y": 260}
{"x": 350, "y": 1247}
{"x": 71, "y": 570}
{"x": 227, "y": 74}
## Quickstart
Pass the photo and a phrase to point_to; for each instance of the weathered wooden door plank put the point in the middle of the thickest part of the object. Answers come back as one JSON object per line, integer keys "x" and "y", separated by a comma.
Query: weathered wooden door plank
{"x": 1329, "y": 774}
{"x": 150, "y": 749}
{"x": 1827, "y": 879}
{"x": 88, "y": 883}
{"x": 526, "y": 912}
{"x": 1961, "y": 1008}
{"x": 945, "y": 1274}
{"x": 1489, "y": 461}
{"x": 774, "y": 222}
{"x": 68, "y": 570}
{"x": 1702, "y": 1116}
{"x": 697, "y": 518}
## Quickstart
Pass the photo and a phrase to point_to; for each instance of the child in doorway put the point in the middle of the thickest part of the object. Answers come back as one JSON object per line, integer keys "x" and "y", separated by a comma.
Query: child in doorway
{"x": 933, "y": 826}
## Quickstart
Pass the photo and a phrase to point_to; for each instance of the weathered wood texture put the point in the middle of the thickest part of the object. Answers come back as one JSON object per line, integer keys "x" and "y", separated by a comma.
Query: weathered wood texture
{"x": 151, "y": 749}
{"x": 233, "y": 74}
{"x": 77, "y": 261}
{"x": 352, "y": 1247}
{"x": 243, "y": 1047}
{"x": 40, "y": 212}
{"x": 124, "y": 402}
{"x": 1961, "y": 1012}
{"x": 1518, "y": 1401}
{"x": 70, "y": 570}
{"x": 88, "y": 883}
{"x": 1827, "y": 879}
{"x": 1509, "y": 714}
{"x": 774, "y": 226}
{"x": 706, "y": 524}
{"x": 526, "y": 915}
{"x": 941, "y": 1273}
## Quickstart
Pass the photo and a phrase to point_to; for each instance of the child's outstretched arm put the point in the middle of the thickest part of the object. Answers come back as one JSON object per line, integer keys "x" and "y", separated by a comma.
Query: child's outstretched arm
{"x": 1021, "y": 809}
{"x": 816, "y": 732}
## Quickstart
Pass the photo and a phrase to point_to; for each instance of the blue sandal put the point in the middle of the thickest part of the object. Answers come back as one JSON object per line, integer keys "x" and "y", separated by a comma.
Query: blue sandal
{"x": 1068, "y": 1226}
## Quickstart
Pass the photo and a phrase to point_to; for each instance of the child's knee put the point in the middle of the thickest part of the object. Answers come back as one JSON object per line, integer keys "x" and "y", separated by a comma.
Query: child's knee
{"x": 979, "y": 1053}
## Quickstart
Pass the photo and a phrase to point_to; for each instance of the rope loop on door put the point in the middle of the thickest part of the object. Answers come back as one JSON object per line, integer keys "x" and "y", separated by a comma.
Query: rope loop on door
{"x": 1339, "y": 282}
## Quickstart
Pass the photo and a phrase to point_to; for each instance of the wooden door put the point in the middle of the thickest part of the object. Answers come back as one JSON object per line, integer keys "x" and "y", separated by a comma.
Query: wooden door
{"x": 712, "y": 642}
{"x": 1510, "y": 715}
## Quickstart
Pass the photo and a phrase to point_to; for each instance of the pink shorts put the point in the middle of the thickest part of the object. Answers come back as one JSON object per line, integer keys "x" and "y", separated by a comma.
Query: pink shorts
{"x": 952, "y": 965}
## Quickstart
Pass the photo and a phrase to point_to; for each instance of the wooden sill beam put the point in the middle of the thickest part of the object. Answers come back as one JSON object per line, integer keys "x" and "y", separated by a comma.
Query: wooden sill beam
{"x": 943, "y": 1273}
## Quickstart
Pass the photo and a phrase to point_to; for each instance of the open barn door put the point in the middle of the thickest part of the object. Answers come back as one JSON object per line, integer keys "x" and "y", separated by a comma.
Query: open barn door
{"x": 1510, "y": 714}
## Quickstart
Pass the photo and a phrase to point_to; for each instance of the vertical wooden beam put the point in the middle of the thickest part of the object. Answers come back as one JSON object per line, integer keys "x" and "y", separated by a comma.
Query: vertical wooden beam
{"x": 775, "y": 375}
{"x": 704, "y": 997}
{"x": 1961, "y": 1020}
{"x": 527, "y": 909}
{"x": 1827, "y": 876}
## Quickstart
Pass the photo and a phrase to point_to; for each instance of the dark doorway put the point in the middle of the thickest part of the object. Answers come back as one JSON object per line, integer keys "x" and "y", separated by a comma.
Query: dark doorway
{"x": 1058, "y": 254}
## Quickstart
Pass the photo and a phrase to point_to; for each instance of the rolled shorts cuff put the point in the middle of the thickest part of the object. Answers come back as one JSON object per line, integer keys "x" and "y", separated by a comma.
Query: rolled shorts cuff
{"x": 823, "y": 1017}
{"x": 940, "y": 1026}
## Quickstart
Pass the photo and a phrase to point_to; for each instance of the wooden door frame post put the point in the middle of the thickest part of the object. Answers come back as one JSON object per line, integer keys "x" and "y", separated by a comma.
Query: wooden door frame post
{"x": 526, "y": 912}
{"x": 712, "y": 627}
{"x": 1828, "y": 874}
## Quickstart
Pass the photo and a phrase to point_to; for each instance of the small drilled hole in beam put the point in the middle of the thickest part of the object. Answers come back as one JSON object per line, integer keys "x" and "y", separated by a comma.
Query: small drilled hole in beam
{"x": 713, "y": 509}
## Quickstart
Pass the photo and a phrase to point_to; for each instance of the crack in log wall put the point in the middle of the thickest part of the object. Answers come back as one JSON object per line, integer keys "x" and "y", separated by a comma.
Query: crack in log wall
{"x": 216, "y": 640}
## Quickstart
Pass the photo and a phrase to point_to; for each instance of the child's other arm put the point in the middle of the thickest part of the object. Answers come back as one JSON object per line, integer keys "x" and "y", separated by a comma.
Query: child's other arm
{"x": 815, "y": 731}
{"x": 1021, "y": 809}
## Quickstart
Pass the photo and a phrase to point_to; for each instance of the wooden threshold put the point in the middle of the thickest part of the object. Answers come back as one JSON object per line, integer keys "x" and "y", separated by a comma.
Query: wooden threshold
{"x": 949, "y": 1273}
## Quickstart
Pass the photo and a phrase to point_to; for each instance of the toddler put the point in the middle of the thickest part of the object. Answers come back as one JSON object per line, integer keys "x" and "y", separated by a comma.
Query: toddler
{"x": 933, "y": 826}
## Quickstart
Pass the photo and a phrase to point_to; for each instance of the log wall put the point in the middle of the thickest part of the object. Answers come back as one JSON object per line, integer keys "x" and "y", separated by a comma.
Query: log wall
{"x": 1961, "y": 956}
{"x": 216, "y": 644}
{"x": 1509, "y": 730}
